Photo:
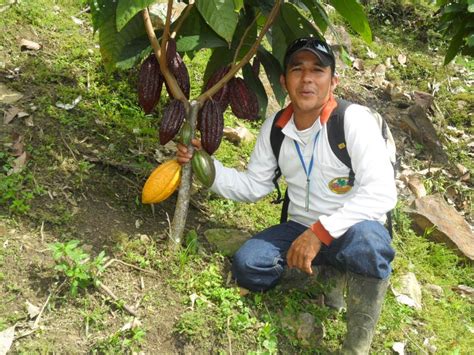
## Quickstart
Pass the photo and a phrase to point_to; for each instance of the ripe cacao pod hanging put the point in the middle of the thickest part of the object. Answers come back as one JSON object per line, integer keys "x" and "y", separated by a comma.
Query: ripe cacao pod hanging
{"x": 211, "y": 125}
{"x": 178, "y": 69}
{"x": 243, "y": 101}
{"x": 173, "y": 117}
{"x": 222, "y": 96}
{"x": 150, "y": 82}
{"x": 162, "y": 182}
{"x": 203, "y": 167}
{"x": 170, "y": 50}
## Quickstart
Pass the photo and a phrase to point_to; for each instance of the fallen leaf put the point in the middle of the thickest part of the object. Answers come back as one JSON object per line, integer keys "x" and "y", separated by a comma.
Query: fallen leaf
{"x": 9, "y": 96}
{"x": 193, "y": 298}
{"x": 6, "y": 339}
{"x": 399, "y": 348}
{"x": 131, "y": 325}
{"x": 23, "y": 114}
{"x": 32, "y": 310}
{"x": 371, "y": 54}
{"x": 70, "y": 106}
{"x": 11, "y": 114}
{"x": 18, "y": 147}
{"x": 29, "y": 122}
{"x": 77, "y": 21}
{"x": 26, "y": 44}
{"x": 358, "y": 64}
{"x": 388, "y": 62}
{"x": 402, "y": 59}
{"x": 19, "y": 164}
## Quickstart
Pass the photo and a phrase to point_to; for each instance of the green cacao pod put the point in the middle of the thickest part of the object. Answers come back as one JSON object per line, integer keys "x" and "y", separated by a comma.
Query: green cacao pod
{"x": 185, "y": 134}
{"x": 150, "y": 82}
{"x": 203, "y": 167}
{"x": 173, "y": 117}
{"x": 243, "y": 101}
{"x": 178, "y": 69}
{"x": 222, "y": 96}
{"x": 211, "y": 125}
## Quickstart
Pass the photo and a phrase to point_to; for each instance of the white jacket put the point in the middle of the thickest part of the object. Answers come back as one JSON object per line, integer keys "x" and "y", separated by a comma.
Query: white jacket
{"x": 372, "y": 196}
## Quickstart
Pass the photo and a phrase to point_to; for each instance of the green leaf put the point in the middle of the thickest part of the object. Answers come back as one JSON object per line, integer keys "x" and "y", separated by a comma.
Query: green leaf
{"x": 264, "y": 5}
{"x": 354, "y": 13}
{"x": 273, "y": 70}
{"x": 320, "y": 16}
{"x": 126, "y": 9}
{"x": 238, "y": 5}
{"x": 470, "y": 40}
{"x": 244, "y": 22}
{"x": 256, "y": 86}
{"x": 289, "y": 26}
{"x": 454, "y": 45}
{"x": 470, "y": 5}
{"x": 220, "y": 15}
{"x": 196, "y": 34}
{"x": 134, "y": 52}
{"x": 101, "y": 11}
{"x": 112, "y": 42}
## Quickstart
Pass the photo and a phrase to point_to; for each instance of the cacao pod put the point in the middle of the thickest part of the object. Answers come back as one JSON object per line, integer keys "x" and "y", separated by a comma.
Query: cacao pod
{"x": 243, "y": 101}
{"x": 150, "y": 82}
{"x": 178, "y": 69}
{"x": 162, "y": 182}
{"x": 211, "y": 125}
{"x": 173, "y": 117}
{"x": 256, "y": 66}
{"x": 222, "y": 96}
{"x": 170, "y": 50}
{"x": 203, "y": 167}
{"x": 185, "y": 133}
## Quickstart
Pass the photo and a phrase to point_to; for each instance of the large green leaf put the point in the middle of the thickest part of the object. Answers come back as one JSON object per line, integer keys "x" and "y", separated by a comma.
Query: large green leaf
{"x": 455, "y": 44}
{"x": 101, "y": 11}
{"x": 134, "y": 52}
{"x": 264, "y": 5}
{"x": 319, "y": 14}
{"x": 196, "y": 34}
{"x": 256, "y": 86}
{"x": 273, "y": 70}
{"x": 290, "y": 25}
{"x": 354, "y": 13}
{"x": 220, "y": 15}
{"x": 112, "y": 42}
{"x": 126, "y": 9}
{"x": 243, "y": 25}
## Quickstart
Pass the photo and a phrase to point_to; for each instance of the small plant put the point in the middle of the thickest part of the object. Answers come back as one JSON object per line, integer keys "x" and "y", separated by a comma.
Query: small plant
{"x": 77, "y": 265}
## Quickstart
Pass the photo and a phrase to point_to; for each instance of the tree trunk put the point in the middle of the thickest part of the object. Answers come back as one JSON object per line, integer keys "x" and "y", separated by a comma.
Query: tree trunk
{"x": 182, "y": 205}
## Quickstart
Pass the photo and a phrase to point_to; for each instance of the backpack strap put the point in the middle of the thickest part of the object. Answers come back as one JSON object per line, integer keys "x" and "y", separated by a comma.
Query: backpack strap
{"x": 337, "y": 138}
{"x": 276, "y": 139}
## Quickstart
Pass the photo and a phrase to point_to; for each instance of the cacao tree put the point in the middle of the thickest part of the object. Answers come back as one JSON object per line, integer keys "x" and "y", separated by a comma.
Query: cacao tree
{"x": 234, "y": 31}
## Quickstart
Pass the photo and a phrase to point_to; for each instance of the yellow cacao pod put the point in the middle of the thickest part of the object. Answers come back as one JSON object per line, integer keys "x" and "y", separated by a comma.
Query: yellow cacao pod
{"x": 163, "y": 181}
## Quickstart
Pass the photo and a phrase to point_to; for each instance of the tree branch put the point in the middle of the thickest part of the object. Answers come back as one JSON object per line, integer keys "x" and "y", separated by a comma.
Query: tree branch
{"x": 239, "y": 47}
{"x": 236, "y": 67}
{"x": 169, "y": 77}
{"x": 183, "y": 17}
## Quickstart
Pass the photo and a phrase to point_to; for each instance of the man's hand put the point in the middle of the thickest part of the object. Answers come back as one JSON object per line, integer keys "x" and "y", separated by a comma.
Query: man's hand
{"x": 303, "y": 251}
{"x": 182, "y": 155}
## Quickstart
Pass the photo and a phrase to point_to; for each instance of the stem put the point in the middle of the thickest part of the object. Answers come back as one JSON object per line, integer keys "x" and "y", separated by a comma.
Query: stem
{"x": 170, "y": 79}
{"x": 181, "y": 211}
{"x": 236, "y": 67}
{"x": 241, "y": 43}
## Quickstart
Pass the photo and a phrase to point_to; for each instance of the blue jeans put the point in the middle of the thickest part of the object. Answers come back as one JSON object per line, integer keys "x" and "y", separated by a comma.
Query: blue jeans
{"x": 364, "y": 249}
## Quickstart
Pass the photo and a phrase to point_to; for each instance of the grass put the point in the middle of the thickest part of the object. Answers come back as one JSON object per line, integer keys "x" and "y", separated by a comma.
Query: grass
{"x": 213, "y": 317}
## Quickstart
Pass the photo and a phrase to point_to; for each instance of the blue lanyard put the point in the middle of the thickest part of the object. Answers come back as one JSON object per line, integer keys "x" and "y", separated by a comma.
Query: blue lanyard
{"x": 310, "y": 168}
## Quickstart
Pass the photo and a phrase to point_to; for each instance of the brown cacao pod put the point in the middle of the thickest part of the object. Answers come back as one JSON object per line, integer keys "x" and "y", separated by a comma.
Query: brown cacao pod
{"x": 178, "y": 69}
{"x": 243, "y": 101}
{"x": 173, "y": 117}
{"x": 222, "y": 96}
{"x": 211, "y": 126}
{"x": 170, "y": 50}
{"x": 150, "y": 82}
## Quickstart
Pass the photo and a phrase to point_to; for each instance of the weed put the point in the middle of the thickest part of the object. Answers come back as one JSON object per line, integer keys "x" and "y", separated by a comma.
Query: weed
{"x": 77, "y": 265}
{"x": 122, "y": 341}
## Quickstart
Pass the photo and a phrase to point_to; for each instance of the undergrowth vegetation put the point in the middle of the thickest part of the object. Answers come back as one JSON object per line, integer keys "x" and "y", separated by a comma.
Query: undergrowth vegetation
{"x": 67, "y": 150}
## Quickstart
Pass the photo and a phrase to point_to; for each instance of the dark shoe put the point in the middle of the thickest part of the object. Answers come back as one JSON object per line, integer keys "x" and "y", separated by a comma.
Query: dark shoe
{"x": 334, "y": 281}
{"x": 364, "y": 302}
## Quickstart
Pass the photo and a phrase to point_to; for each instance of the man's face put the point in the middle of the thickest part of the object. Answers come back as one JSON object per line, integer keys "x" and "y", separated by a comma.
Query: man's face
{"x": 308, "y": 84}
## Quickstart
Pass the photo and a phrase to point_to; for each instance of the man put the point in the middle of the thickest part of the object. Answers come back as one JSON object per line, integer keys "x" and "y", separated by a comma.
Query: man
{"x": 330, "y": 224}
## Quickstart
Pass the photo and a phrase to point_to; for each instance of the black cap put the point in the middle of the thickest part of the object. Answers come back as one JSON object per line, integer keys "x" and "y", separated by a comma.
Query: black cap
{"x": 316, "y": 46}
